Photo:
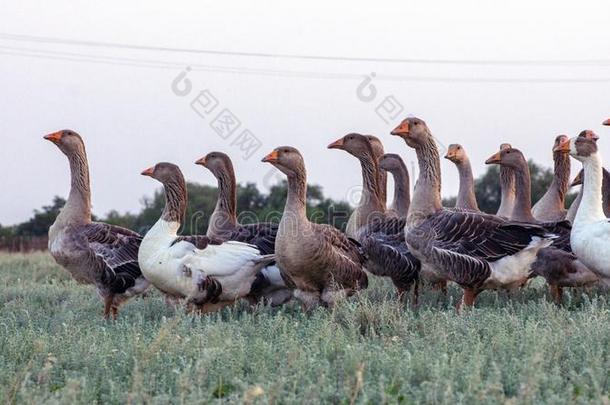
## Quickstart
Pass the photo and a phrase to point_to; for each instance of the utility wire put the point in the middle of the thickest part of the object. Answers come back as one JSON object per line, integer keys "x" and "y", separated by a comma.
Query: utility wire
{"x": 155, "y": 63}
{"x": 63, "y": 41}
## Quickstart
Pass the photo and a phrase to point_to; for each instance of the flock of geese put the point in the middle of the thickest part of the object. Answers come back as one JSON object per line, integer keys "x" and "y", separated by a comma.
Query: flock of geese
{"x": 415, "y": 241}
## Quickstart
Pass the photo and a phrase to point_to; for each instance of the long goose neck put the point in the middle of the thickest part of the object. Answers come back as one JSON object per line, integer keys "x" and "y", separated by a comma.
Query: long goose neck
{"x": 175, "y": 201}
{"x": 507, "y": 190}
{"x": 383, "y": 185}
{"x": 226, "y": 204}
{"x": 606, "y": 192}
{"x": 466, "y": 197}
{"x": 371, "y": 176}
{"x": 561, "y": 179}
{"x": 571, "y": 215}
{"x": 523, "y": 202}
{"x": 591, "y": 206}
{"x": 427, "y": 193}
{"x": 296, "y": 201}
{"x": 402, "y": 190}
{"x": 78, "y": 206}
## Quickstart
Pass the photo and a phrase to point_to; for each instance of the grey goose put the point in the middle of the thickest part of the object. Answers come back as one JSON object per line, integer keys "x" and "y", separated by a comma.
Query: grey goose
{"x": 475, "y": 250}
{"x": 556, "y": 264}
{"x": 321, "y": 263}
{"x": 393, "y": 164}
{"x": 93, "y": 252}
{"x": 466, "y": 198}
{"x": 551, "y": 206}
{"x": 381, "y": 236}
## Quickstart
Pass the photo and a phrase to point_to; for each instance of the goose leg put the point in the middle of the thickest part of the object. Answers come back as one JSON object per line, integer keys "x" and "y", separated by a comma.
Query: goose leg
{"x": 415, "y": 297}
{"x": 107, "y": 306}
{"x": 401, "y": 294}
{"x": 556, "y": 293}
{"x": 441, "y": 286}
{"x": 470, "y": 295}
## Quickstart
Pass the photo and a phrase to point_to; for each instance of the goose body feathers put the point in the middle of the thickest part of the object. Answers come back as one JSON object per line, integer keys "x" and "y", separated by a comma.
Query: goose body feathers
{"x": 477, "y": 250}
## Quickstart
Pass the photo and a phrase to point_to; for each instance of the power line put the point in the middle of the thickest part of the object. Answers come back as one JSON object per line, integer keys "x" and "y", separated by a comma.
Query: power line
{"x": 64, "y": 41}
{"x": 153, "y": 63}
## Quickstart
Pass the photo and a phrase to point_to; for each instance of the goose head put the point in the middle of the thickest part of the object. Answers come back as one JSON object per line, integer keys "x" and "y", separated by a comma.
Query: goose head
{"x": 582, "y": 147}
{"x": 377, "y": 146}
{"x": 287, "y": 159}
{"x": 391, "y": 162}
{"x": 508, "y": 157}
{"x": 216, "y": 162}
{"x": 413, "y": 130}
{"x": 68, "y": 141}
{"x": 165, "y": 173}
{"x": 355, "y": 144}
{"x": 607, "y": 122}
{"x": 455, "y": 153}
{"x": 560, "y": 139}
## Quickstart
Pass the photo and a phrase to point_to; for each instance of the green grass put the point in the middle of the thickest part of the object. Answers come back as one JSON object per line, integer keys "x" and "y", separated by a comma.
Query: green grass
{"x": 56, "y": 348}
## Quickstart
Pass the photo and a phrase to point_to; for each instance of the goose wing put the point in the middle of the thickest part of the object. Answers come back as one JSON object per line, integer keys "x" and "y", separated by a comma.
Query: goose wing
{"x": 346, "y": 256}
{"x": 261, "y": 235}
{"x": 218, "y": 260}
{"x": 199, "y": 241}
{"x": 481, "y": 236}
{"x": 464, "y": 243}
{"x": 562, "y": 229}
{"x": 115, "y": 252}
{"x": 383, "y": 243}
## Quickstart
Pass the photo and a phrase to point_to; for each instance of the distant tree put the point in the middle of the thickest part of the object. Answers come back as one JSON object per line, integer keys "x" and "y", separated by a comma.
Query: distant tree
{"x": 39, "y": 224}
{"x": 319, "y": 208}
{"x": 252, "y": 206}
{"x": 449, "y": 202}
{"x": 6, "y": 232}
{"x": 126, "y": 220}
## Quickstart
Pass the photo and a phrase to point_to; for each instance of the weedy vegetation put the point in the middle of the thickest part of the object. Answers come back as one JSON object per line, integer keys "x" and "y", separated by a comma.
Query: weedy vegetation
{"x": 56, "y": 348}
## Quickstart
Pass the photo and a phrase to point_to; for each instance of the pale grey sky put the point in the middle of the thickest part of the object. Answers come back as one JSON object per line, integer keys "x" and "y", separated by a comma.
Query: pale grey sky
{"x": 130, "y": 118}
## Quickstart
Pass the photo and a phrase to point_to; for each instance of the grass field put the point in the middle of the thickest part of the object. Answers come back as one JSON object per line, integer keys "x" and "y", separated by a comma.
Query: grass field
{"x": 56, "y": 348}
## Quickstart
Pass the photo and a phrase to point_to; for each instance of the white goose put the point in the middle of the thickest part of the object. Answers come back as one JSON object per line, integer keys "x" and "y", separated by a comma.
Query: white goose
{"x": 210, "y": 274}
{"x": 590, "y": 235}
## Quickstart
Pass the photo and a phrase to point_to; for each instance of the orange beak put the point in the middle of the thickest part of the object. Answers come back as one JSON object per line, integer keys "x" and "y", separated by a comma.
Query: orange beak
{"x": 272, "y": 157}
{"x": 55, "y": 137}
{"x": 607, "y": 122}
{"x": 564, "y": 146}
{"x": 402, "y": 129}
{"x": 494, "y": 159}
{"x": 201, "y": 161}
{"x": 148, "y": 172}
{"x": 338, "y": 144}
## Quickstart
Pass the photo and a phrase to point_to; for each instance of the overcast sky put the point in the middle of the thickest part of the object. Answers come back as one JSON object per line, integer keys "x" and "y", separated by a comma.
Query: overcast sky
{"x": 130, "y": 118}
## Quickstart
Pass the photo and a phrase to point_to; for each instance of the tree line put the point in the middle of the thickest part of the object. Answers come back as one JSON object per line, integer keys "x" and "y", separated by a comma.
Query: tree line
{"x": 255, "y": 206}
